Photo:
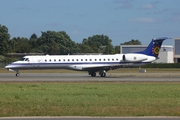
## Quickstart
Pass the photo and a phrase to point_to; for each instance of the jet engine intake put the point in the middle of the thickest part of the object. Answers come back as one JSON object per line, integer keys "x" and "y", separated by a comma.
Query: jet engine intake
{"x": 134, "y": 57}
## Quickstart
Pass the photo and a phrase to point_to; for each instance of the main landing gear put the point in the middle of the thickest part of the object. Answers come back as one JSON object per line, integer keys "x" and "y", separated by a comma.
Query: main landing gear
{"x": 93, "y": 74}
{"x": 102, "y": 73}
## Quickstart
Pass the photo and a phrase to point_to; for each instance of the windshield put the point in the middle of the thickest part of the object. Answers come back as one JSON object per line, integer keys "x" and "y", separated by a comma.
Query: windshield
{"x": 27, "y": 59}
{"x": 22, "y": 59}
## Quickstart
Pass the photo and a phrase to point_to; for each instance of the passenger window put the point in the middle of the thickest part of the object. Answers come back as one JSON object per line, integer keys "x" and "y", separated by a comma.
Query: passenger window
{"x": 72, "y": 59}
{"x": 59, "y": 60}
{"x": 108, "y": 59}
{"x": 90, "y": 60}
{"x": 112, "y": 59}
{"x": 54, "y": 60}
{"x": 104, "y": 59}
{"x": 76, "y": 59}
{"x": 99, "y": 59}
{"x": 116, "y": 59}
{"x": 95, "y": 59}
{"x": 81, "y": 59}
{"x": 64, "y": 60}
{"x": 86, "y": 59}
{"x": 50, "y": 60}
{"x": 68, "y": 60}
{"x": 45, "y": 60}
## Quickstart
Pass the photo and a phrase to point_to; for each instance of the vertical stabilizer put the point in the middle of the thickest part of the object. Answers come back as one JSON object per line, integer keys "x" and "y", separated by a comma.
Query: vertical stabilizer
{"x": 154, "y": 47}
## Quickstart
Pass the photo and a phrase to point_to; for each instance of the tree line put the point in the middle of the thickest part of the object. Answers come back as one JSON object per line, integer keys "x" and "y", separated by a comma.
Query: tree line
{"x": 59, "y": 43}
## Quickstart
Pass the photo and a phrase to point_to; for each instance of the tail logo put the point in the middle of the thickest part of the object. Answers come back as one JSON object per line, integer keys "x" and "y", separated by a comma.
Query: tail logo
{"x": 154, "y": 47}
{"x": 156, "y": 50}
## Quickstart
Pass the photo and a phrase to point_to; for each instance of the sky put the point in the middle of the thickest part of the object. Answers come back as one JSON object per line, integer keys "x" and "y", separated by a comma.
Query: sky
{"x": 120, "y": 20}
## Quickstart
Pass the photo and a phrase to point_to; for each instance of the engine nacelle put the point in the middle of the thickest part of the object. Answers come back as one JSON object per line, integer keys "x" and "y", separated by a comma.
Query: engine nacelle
{"x": 134, "y": 57}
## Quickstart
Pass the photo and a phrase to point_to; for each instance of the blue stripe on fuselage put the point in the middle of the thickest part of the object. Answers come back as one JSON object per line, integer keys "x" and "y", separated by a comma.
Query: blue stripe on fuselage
{"x": 75, "y": 63}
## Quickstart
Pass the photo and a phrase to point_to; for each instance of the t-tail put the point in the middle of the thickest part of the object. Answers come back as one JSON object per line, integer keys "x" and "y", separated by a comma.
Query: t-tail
{"x": 154, "y": 47}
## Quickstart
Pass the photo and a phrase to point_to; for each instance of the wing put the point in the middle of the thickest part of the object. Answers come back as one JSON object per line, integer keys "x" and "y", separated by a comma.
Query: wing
{"x": 106, "y": 67}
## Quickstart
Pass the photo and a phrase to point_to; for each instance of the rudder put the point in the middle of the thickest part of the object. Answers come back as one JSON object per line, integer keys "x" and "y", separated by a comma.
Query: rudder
{"x": 154, "y": 47}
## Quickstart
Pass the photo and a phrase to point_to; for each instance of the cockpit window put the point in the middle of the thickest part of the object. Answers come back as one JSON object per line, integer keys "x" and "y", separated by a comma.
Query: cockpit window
{"x": 22, "y": 59}
{"x": 27, "y": 59}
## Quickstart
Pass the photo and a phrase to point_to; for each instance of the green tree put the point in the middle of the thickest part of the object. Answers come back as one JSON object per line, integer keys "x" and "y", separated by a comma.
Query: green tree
{"x": 97, "y": 44}
{"x": 85, "y": 49}
{"x": 132, "y": 42}
{"x": 4, "y": 40}
{"x": 109, "y": 50}
{"x": 21, "y": 45}
{"x": 117, "y": 49}
{"x": 52, "y": 42}
{"x": 2, "y": 58}
{"x": 33, "y": 43}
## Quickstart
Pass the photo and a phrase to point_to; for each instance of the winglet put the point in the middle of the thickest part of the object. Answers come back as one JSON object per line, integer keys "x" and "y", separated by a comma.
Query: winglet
{"x": 154, "y": 47}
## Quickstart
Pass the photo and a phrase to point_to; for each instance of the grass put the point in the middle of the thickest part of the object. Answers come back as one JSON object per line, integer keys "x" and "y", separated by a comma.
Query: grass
{"x": 90, "y": 99}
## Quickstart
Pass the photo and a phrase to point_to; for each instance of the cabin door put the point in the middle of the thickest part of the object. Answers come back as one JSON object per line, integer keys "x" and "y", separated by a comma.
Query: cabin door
{"x": 35, "y": 62}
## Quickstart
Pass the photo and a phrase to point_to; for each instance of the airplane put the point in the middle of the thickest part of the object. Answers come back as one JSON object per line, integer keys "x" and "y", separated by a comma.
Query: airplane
{"x": 90, "y": 63}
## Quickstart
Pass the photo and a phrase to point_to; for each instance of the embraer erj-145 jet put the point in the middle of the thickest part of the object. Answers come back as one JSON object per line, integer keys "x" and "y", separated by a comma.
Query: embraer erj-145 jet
{"x": 90, "y": 63}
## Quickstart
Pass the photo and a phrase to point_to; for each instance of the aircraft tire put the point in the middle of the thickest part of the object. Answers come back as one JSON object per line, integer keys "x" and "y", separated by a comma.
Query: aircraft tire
{"x": 93, "y": 74}
{"x": 17, "y": 74}
{"x": 103, "y": 75}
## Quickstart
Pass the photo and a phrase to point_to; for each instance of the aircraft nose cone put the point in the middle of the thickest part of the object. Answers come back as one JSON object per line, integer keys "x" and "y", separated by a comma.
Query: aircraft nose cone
{"x": 7, "y": 67}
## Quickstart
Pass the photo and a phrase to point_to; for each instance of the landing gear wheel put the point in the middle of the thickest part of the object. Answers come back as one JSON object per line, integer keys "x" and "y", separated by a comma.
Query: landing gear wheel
{"x": 93, "y": 74}
{"x": 17, "y": 74}
{"x": 103, "y": 75}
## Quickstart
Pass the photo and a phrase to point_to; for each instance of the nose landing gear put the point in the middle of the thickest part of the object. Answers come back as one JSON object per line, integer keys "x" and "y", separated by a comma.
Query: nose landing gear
{"x": 17, "y": 74}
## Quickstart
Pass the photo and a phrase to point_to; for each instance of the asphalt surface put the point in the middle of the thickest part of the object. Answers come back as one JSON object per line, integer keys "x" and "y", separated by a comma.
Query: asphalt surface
{"x": 83, "y": 77}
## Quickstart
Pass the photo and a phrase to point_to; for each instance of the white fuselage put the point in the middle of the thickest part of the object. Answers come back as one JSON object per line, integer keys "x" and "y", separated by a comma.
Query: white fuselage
{"x": 80, "y": 62}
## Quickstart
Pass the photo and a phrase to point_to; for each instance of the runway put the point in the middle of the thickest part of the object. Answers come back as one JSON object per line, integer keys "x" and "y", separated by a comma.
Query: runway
{"x": 83, "y": 77}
